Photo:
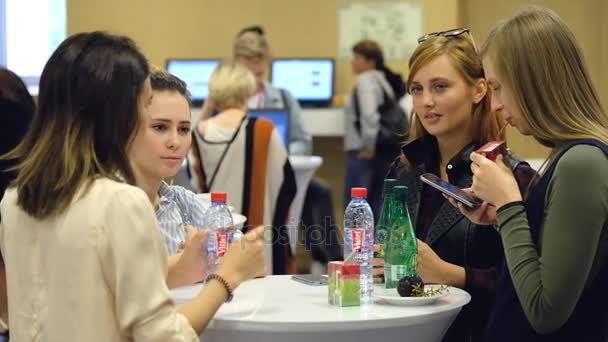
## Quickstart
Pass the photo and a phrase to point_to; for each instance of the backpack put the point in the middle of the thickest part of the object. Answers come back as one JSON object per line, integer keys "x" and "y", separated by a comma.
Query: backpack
{"x": 393, "y": 125}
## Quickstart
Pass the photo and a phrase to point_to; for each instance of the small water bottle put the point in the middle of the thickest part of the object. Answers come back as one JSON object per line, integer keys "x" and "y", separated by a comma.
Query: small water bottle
{"x": 218, "y": 220}
{"x": 359, "y": 238}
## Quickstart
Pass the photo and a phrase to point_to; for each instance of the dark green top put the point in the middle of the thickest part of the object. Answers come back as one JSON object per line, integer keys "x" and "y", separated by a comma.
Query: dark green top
{"x": 549, "y": 285}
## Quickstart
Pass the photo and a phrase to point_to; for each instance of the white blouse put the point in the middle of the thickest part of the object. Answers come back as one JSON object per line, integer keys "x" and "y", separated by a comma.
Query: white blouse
{"x": 96, "y": 272}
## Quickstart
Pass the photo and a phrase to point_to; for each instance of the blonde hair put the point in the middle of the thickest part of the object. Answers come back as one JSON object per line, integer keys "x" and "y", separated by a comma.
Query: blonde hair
{"x": 251, "y": 44}
{"x": 537, "y": 58}
{"x": 231, "y": 84}
{"x": 460, "y": 50}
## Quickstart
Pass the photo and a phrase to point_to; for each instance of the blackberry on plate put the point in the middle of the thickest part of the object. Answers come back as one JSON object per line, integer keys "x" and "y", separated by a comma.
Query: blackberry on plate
{"x": 405, "y": 287}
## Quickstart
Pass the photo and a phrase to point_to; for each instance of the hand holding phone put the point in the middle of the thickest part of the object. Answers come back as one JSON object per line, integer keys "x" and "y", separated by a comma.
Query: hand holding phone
{"x": 450, "y": 190}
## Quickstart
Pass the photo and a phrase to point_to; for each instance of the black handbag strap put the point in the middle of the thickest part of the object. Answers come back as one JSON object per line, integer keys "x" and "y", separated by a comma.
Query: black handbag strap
{"x": 228, "y": 144}
{"x": 357, "y": 111}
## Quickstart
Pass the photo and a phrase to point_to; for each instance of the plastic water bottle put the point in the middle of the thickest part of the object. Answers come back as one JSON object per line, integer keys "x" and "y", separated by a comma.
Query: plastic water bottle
{"x": 359, "y": 238}
{"x": 218, "y": 220}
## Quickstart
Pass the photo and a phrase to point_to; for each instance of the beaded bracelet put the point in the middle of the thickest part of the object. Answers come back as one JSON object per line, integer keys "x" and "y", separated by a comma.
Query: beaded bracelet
{"x": 224, "y": 284}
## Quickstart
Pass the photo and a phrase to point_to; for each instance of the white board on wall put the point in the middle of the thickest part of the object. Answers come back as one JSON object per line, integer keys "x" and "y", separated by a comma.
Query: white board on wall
{"x": 394, "y": 25}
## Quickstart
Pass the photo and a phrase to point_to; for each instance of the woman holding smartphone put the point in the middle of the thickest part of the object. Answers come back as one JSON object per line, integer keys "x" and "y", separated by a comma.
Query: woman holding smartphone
{"x": 451, "y": 119}
{"x": 552, "y": 283}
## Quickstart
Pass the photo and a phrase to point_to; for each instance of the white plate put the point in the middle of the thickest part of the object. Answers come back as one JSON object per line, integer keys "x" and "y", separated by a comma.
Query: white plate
{"x": 390, "y": 296}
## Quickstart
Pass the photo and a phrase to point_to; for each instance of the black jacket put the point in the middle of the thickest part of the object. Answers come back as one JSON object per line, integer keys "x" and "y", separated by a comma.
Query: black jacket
{"x": 452, "y": 236}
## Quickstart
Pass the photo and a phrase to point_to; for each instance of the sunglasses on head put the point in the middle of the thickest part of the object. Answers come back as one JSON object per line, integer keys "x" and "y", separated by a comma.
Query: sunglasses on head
{"x": 448, "y": 33}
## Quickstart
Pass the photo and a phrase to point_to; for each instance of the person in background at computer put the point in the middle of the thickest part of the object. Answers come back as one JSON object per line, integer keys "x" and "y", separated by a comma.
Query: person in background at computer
{"x": 251, "y": 48}
{"x": 364, "y": 166}
{"x": 17, "y": 109}
{"x": 246, "y": 158}
{"x": 81, "y": 245}
{"x": 318, "y": 194}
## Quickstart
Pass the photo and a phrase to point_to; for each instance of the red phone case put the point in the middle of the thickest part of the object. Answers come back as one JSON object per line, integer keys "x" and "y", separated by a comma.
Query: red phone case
{"x": 492, "y": 149}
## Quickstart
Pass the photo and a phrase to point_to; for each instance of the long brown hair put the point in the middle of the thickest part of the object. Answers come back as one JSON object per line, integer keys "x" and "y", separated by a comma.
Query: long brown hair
{"x": 538, "y": 59}
{"x": 461, "y": 52}
{"x": 87, "y": 114}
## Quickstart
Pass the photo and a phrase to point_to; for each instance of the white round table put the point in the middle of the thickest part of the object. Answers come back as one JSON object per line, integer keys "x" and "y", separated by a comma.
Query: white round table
{"x": 277, "y": 308}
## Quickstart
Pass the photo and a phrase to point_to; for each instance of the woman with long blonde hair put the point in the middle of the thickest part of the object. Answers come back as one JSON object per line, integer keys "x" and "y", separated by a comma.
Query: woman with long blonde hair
{"x": 451, "y": 118}
{"x": 552, "y": 285}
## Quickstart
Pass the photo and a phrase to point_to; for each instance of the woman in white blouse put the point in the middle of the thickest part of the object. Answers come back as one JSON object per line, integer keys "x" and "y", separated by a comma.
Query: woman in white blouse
{"x": 82, "y": 249}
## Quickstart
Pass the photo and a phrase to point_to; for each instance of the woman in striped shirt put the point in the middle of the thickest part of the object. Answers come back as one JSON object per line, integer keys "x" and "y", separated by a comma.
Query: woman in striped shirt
{"x": 161, "y": 143}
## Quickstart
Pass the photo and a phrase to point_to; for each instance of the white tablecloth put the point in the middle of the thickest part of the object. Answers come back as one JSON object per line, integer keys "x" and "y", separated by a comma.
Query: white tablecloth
{"x": 277, "y": 308}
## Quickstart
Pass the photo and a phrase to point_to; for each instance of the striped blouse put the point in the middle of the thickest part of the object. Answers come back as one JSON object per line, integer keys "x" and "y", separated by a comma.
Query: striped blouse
{"x": 178, "y": 207}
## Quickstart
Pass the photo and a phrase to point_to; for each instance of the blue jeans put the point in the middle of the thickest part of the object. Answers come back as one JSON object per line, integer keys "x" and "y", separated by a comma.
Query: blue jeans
{"x": 364, "y": 173}
{"x": 359, "y": 174}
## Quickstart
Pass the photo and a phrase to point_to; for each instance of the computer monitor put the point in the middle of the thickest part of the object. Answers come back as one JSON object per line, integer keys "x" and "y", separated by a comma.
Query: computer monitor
{"x": 279, "y": 117}
{"x": 310, "y": 80}
{"x": 196, "y": 73}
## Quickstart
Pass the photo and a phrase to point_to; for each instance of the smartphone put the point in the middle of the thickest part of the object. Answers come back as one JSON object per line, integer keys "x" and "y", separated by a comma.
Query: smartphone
{"x": 310, "y": 279}
{"x": 450, "y": 190}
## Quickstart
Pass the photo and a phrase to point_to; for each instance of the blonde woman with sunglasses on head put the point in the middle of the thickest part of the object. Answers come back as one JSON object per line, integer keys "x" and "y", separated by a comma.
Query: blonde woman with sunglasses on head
{"x": 553, "y": 283}
{"x": 451, "y": 118}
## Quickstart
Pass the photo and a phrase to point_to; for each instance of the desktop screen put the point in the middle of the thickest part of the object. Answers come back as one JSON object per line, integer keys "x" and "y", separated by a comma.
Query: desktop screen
{"x": 279, "y": 118}
{"x": 308, "y": 79}
{"x": 196, "y": 73}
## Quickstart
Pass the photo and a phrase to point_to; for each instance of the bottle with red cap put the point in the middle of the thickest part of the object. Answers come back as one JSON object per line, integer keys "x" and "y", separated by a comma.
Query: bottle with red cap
{"x": 359, "y": 239}
{"x": 218, "y": 220}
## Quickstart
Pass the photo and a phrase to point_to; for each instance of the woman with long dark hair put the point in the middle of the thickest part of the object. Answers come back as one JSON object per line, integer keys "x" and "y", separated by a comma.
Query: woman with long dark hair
{"x": 81, "y": 245}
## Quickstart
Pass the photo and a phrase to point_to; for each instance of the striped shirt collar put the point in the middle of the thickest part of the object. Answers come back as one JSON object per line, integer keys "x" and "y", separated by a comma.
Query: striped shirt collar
{"x": 165, "y": 192}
